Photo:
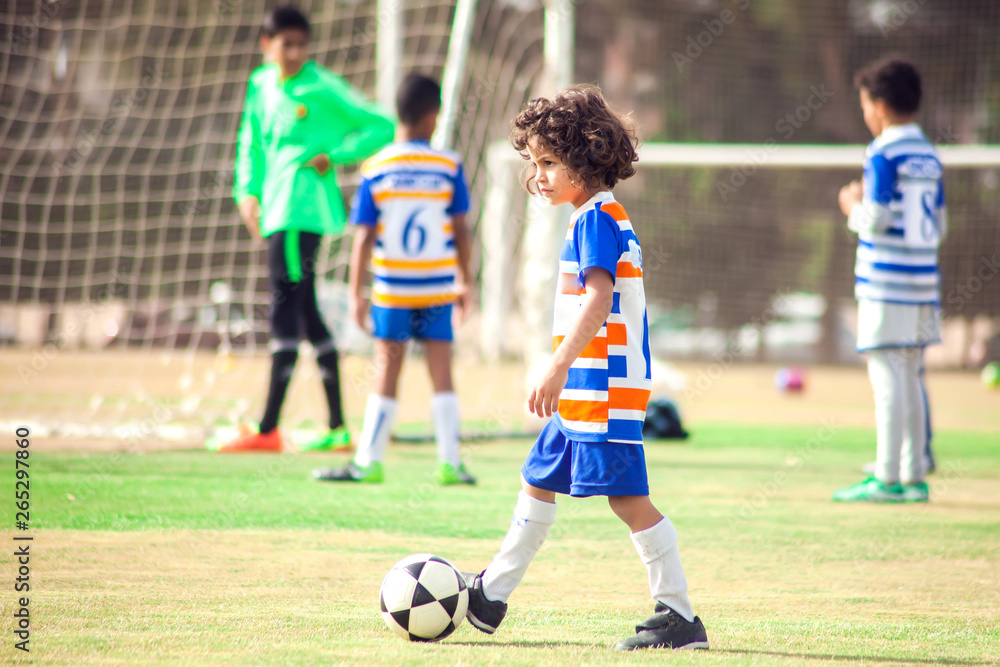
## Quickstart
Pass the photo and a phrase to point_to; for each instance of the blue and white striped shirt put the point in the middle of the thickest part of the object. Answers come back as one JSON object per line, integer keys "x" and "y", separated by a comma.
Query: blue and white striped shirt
{"x": 903, "y": 191}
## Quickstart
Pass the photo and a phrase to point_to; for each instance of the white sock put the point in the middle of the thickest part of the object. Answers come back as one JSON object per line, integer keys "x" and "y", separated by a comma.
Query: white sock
{"x": 380, "y": 413}
{"x": 886, "y": 372}
{"x": 528, "y": 529}
{"x": 657, "y": 547}
{"x": 444, "y": 407}
{"x": 912, "y": 462}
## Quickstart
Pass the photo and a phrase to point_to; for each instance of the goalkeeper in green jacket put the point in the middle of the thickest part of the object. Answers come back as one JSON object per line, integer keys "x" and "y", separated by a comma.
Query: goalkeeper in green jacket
{"x": 299, "y": 119}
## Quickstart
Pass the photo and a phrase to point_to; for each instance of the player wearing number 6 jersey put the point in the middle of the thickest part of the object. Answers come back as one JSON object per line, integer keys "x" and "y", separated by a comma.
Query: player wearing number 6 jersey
{"x": 410, "y": 213}
{"x": 899, "y": 216}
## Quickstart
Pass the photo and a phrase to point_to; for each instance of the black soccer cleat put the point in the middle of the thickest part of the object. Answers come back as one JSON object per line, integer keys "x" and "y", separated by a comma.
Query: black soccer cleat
{"x": 665, "y": 629}
{"x": 483, "y": 613}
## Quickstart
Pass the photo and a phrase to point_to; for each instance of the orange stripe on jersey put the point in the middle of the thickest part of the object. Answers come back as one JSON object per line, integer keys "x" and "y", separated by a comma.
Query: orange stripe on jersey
{"x": 596, "y": 349}
{"x": 382, "y": 196}
{"x": 410, "y": 158}
{"x": 393, "y": 301}
{"x": 626, "y": 398}
{"x": 615, "y": 210}
{"x": 617, "y": 333}
{"x": 414, "y": 263}
{"x": 583, "y": 411}
{"x": 569, "y": 283}
{"x": 628, "y": 270}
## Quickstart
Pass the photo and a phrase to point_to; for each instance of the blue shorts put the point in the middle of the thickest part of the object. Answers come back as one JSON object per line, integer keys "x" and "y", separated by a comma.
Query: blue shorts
{"x": 402, "y": 324}
{"x": 585, "y": 468}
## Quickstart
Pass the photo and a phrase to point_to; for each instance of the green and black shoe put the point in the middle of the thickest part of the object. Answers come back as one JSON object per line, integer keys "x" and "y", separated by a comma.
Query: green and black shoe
{"x": 917, "y": 492}
{"x": 335, "y": 440}
{"x": 449, "y": 475}
{"x": 871, "y": 491}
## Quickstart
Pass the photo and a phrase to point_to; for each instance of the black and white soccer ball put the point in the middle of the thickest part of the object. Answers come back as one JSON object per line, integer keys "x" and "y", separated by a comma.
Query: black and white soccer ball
{"x": 423, "y": 598}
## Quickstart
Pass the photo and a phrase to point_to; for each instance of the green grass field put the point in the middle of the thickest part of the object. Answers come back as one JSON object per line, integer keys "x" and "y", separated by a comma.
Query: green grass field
{"x": 186, "y": 557}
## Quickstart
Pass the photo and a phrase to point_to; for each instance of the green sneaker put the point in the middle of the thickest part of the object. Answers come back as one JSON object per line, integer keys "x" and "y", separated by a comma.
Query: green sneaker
{"x": 916, "y": 492}
{"x": 352, "y": 472}
{"x": 871, "y": 491}
{"x": 449, "y": 475}
{"x": 335, "y": 440}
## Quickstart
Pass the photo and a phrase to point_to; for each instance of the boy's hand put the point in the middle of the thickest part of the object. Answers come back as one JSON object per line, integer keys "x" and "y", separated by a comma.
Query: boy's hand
{"x": 359, "y": 312}
{"x": 250, "y": 213}
{"x": 850, "y": 196}
{"x": 321, "y": 163}
{"x": 463, "y": 304}
{"x": 544, "y": 398}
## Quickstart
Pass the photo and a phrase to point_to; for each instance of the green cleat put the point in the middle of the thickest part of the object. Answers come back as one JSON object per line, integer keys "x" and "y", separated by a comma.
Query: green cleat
{"x": 916, "y": 492}
{"x": 449, "y": 475}
{"x": 871, "y": 491}
{"x": 352, "y": 472}
{"x": 335, "y": 440}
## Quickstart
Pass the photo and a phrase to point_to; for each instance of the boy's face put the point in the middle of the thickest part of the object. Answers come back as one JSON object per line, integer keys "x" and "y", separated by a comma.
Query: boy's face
{"x": 553, "y": 179}
{"x": 875, "y": 112}
{"x": 289, "y": 49}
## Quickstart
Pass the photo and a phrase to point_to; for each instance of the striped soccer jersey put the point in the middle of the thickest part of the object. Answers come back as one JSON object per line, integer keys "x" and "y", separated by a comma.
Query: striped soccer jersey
{"x": 609, "y": 384}
{"x": 409, "y": 192}
{"x": 899, "y": 264}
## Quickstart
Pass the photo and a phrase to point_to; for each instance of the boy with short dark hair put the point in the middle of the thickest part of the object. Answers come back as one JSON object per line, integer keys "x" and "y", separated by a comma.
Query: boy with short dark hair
{"x": 410, "y": 214}
{"x": 299, "y": 119}
{"x": 899, "y": 216}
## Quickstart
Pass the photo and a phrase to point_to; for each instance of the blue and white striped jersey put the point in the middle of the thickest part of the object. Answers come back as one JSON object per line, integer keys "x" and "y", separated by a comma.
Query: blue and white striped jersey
{"x": 897, "y": 260}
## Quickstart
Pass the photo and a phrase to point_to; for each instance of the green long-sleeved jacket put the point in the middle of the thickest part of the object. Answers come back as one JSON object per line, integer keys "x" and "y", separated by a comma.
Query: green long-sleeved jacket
{"x": 288, "y": 122}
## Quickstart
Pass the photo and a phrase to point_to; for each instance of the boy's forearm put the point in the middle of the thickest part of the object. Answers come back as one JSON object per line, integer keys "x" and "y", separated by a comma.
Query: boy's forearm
{"x": 594, "y": 312}
{"x": 463, "y": 248}
{"x": 364, "y": 142}
{"x": 361, "y": 254}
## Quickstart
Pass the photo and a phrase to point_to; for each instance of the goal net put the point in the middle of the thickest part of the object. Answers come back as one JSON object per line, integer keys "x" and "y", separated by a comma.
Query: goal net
{"x": 119, "y": 233}
{"x": 746, "y": 254}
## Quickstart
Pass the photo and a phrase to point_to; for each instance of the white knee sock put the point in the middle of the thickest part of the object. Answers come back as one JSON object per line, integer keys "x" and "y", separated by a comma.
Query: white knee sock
{"x": 912, "y": 463}
{"x": 886, "y": 372}
{"x": 444, "y": 407}
{"x": 528, "y": 529}
{"x": 380, "y": 413}
{"x": 657, "y": 547}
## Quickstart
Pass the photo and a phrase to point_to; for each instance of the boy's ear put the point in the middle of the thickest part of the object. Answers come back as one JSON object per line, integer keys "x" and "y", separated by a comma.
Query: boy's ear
{"x": 265, "y": 43}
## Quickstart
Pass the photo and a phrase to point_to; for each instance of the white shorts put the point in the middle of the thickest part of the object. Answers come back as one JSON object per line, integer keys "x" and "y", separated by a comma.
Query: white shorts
{"x": 888, "y": 325}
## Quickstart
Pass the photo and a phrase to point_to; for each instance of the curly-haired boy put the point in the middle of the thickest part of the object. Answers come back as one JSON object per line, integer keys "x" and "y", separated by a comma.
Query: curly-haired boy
{"x": 598, "y": 384}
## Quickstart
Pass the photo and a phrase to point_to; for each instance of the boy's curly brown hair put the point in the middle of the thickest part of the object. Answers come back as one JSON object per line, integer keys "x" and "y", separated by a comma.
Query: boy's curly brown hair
{"x": 597, "y": 145}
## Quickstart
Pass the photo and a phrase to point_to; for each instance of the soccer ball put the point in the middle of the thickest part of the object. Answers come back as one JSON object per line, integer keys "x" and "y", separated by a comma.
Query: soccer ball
{"x": 423, "y": 598}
